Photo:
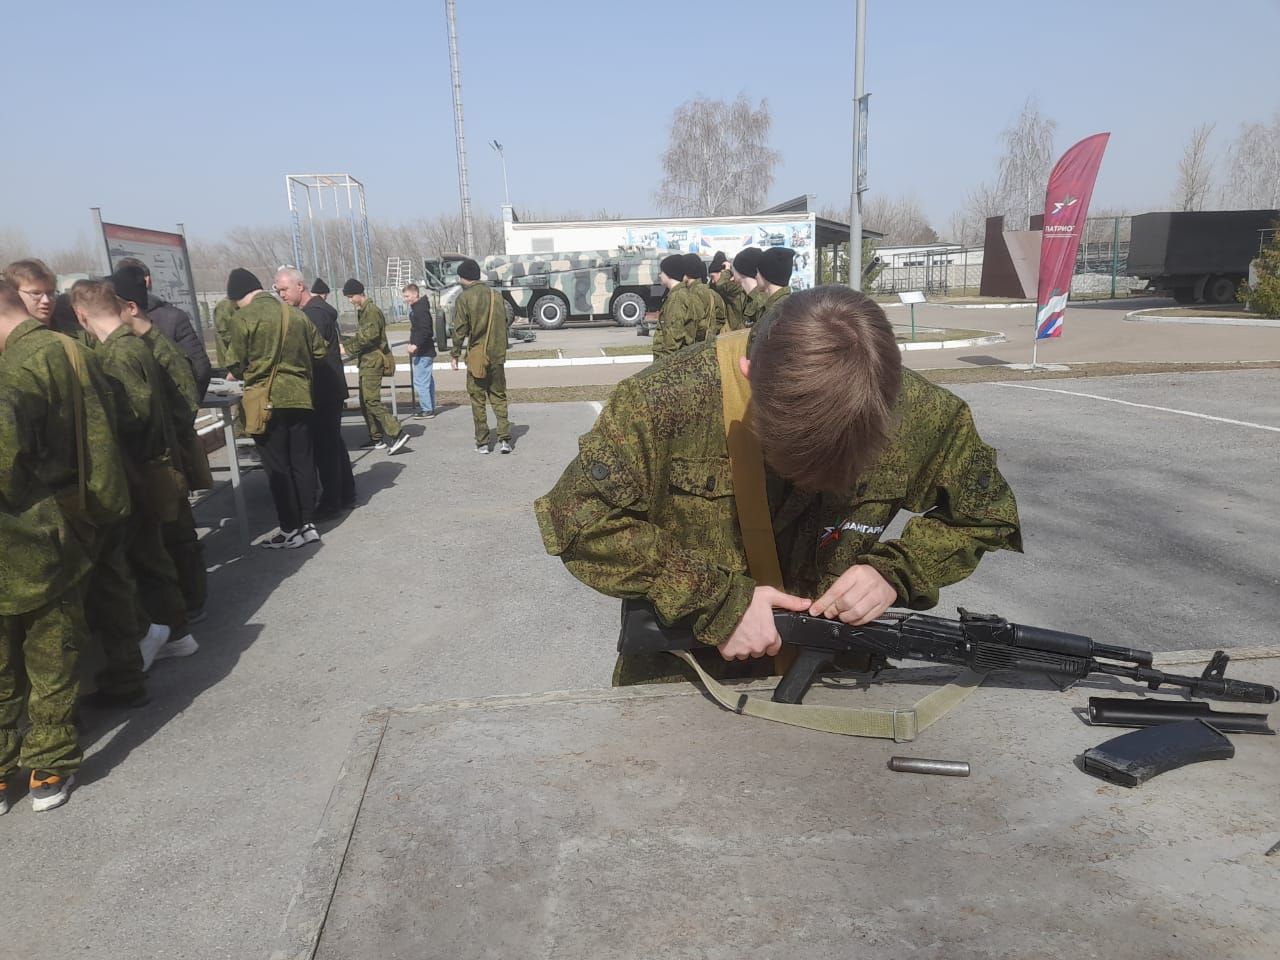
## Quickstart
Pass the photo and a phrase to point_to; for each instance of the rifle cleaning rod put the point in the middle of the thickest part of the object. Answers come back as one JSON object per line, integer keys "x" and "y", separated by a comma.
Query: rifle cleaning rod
{"x": 938, "y": 768}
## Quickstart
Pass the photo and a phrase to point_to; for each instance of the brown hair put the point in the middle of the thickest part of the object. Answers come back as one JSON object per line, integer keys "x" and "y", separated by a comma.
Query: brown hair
{"x": 825, "y": 376}
{"x": 96, "y": 297}
{"x": 30, "y": 271}
{"x": 410, "y": 286}
{"x": 10, "y": 300}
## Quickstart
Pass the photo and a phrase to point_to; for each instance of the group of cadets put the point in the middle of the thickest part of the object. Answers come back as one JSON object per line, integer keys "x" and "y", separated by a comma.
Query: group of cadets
{"x": 698, "y": 308}
{"x": 98, "y": 452}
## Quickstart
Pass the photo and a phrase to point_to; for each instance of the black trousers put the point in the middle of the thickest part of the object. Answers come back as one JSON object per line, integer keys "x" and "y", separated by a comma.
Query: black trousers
{"x": 291, "y": 470}
{"x": 333, "y": 462}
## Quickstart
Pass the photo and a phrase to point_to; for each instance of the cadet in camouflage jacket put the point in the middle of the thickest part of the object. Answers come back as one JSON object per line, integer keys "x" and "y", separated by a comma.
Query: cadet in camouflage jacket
{"x": 46, "y": 539}
{"x": 256, "y": 341}
{"x": 647, "y": 509}
{"x": 368, "y": 347}
{"x": 735, "y": 301}
{"x": 677, "y": 323}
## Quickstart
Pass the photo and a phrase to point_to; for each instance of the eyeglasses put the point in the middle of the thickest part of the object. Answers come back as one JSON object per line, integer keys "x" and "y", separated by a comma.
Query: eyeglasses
{"x": 37, "y": 295}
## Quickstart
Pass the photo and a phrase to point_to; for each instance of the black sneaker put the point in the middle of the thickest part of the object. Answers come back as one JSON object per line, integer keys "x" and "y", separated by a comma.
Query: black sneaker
{"x": 284, "y": 540}
{"x": 50, "y": 790}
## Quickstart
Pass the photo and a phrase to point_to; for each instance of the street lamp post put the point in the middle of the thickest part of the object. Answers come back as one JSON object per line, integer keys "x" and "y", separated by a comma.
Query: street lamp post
{"x": 859, "y": 138}
{"x": 506, "y": 189}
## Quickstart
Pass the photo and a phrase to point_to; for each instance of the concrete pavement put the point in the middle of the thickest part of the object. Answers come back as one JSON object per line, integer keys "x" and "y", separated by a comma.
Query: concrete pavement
{"x": 196, "y": 815}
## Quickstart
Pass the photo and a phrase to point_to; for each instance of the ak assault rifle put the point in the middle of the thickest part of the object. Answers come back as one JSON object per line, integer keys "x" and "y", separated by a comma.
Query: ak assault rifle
{"x": 980, "y": 642}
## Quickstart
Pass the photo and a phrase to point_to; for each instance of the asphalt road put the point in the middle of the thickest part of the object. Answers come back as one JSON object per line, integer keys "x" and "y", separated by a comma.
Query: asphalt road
{"x": 195, "y": 815}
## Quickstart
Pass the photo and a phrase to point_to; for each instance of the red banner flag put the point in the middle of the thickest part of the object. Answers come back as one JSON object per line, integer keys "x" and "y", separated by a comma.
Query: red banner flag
{"x": 1066, "y": 204}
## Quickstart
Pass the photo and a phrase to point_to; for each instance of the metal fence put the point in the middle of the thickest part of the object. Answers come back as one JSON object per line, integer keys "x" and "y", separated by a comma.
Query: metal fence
{"x": 943, "y": 270}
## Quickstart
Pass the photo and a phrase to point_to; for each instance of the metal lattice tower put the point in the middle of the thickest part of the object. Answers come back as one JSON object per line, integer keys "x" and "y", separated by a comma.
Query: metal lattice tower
{"x": 463, "y": 188}
{"x": 331, "y": 256}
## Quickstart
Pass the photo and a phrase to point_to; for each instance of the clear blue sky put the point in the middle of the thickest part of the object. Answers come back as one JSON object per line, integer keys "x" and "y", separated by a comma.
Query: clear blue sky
{"x": 161, "y": 112}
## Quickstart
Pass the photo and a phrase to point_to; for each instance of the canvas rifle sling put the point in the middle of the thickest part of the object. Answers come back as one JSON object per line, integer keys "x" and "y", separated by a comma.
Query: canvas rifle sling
{"x": 746, "y": 462}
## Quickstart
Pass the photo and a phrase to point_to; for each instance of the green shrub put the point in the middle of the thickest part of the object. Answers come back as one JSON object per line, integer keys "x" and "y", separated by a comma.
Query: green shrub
{"x": 1264, "y": 296}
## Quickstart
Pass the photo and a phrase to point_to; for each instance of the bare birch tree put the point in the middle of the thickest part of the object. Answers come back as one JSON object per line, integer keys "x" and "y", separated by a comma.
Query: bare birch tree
{"x": 1025, "y": 166}
{"x": 969, "y": 225}
{"x": 1195, "y": 171}
{"x": 1253, "y": 167}
{"x": 718, "y": 161}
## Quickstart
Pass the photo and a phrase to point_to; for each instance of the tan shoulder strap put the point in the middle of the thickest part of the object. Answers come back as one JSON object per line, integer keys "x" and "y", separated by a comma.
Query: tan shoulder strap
{"x": 77, "y": 403}
{"x": 746, "y": 462}
{"x": 275, "y": 364}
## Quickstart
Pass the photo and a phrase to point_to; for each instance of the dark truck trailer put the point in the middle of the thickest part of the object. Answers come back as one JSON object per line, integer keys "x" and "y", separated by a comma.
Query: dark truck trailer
{"x": 1197, "y": 256}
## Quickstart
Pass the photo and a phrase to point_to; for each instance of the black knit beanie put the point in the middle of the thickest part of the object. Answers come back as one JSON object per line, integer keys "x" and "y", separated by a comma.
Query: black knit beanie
{"x": 130, "y": 284}
{"x": 775, "y": 265}
{"x": 240, "y": 284}
{"x": 673, "y": 266}
{"x": 352, "y": 287}
{"x": 694, "y": 268}
{"x": 469, "y": 270}
{"x": 320, "y": 288}
{"x": 747, "y": 261}
{"x": 718, "y": 261}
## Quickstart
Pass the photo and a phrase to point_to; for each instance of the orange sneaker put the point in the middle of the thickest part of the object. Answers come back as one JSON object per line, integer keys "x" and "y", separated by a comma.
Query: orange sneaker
{"x": 50, "y": 790}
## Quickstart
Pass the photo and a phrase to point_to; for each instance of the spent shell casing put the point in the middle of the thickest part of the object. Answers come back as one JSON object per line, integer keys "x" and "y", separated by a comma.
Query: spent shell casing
{"x": 938, "y": 768}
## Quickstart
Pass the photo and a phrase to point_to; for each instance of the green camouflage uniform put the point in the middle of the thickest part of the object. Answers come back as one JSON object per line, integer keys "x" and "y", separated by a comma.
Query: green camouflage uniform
{"x": 255, "y": 345}
{"x": 223, "y": 312}
{"x": 46, "y": 540}
{"x": 181, "y": 399}
{"x": 141, "y": 409}
{"x": 735, "y": 301}
{"x": 677, "y": 323}
{"x": 647, "y": 509}
{"x": 763, "y": 303}
{"x": 720, "y": 314}
{"x": 706, "y": 323}
{"x": 368, "y": 346}
{"x": 476, "y": 307}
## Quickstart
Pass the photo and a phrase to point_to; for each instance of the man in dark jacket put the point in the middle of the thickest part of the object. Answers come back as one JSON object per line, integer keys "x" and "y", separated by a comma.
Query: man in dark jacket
{"x": 174, "y": 323}
{"x": 328, "y": 397}
{"x": 422, "y": 350}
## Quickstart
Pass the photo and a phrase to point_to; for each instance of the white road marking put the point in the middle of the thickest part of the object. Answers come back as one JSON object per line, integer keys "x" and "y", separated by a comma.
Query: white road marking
{"x": 1144, "y": 406}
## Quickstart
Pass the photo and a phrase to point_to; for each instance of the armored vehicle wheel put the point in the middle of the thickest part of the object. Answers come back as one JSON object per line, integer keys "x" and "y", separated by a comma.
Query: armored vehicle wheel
{"x": 549, "y": 312}
{"x": 1220, "y": 290}
{"x": 1184, "y": 294}
{"x": 628, "y": 309}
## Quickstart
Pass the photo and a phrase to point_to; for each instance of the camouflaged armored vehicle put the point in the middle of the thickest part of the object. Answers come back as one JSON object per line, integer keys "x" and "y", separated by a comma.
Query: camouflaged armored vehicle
{"x": 552, "y": 289}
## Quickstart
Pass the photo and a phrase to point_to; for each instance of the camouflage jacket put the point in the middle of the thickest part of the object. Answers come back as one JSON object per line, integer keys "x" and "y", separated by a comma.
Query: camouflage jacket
{"x": 720, "y": 314}
{"x": 44, "y": 552}
{"x": 763, "y": 304}
{"x": 139, "y": 387}
{"x": 223, "y": 316}
{"x": 647, "y": 510}
{"x": 178, "y": 382}
{"x": 475, "y": 307}
{"x": 735, "y": 301}
{"x": 677, "y": 322}
{"x": 706, "y": 322}
{"x": 255, "y": 341}
{"x": 370, "y": 341}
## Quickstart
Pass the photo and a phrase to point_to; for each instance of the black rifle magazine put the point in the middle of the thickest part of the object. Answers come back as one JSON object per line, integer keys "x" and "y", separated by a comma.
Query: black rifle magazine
{"x": 1135, "y": 758}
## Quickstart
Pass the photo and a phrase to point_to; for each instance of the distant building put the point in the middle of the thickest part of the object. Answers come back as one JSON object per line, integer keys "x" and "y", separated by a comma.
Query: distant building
{"x": 937, "y": 268}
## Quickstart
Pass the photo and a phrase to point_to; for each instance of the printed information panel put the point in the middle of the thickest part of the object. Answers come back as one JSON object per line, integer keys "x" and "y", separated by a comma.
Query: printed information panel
{"x": 165, "y": 255}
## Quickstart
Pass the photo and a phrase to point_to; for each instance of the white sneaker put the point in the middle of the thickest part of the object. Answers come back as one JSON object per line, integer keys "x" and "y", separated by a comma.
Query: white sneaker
{"x": 182, "y": 647}
{"x": 284, "y": 540}
{"x": 310, "y": 534}
{"x": 504, "y": 446}
{"x": 398, "y": 442}
{"x": 149, "y": 646}
{"x": 482, "y": 448}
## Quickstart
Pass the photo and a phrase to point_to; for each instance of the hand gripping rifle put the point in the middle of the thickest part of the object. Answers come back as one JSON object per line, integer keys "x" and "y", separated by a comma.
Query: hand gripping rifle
{"x": 980, "y": 642}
